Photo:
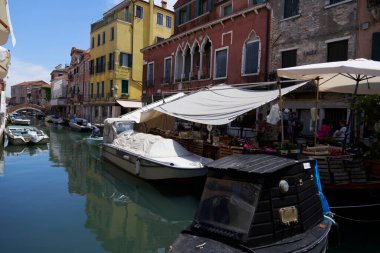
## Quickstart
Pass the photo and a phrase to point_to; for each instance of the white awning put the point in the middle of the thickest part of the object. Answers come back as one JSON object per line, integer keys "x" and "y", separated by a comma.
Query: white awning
{"x": 5, "y": 58}
{"x": 145, "y": 113}
{"x": 220, "y": 104}
{"x": 129, "y": 104}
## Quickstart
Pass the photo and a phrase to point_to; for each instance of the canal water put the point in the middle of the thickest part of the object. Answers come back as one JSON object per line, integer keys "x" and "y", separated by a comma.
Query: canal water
{"x": 61, "y": 197}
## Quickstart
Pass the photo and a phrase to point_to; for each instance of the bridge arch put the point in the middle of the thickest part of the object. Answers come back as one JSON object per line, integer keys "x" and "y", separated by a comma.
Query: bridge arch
{"x": 20, "y": 107}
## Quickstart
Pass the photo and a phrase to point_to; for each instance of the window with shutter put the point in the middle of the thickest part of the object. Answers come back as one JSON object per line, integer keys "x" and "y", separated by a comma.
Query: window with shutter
{"x": 337, "y": 51}
{"x": 289, "y": 58}
{"x": 376, "y": 46}
{"x": 291, "y": 8}
{"x": 221, "y": 56}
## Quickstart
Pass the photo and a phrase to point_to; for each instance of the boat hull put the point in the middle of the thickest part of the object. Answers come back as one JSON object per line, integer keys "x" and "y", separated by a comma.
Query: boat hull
{"x": 17, "y": 139}
{"x": 94, "y": 141}
{"x": 314, "y": 241}
{"x": 146, "y": 169}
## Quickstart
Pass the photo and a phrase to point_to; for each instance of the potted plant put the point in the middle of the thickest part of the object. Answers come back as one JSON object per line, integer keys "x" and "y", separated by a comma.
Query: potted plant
{"x": 368, "y": 113}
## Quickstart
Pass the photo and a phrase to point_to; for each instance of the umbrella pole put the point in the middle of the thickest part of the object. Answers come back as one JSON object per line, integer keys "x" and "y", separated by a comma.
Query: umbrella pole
{"x": 351, "y": 120}
{"x": 317, "y": 112}
{"x": 282, "y": 115}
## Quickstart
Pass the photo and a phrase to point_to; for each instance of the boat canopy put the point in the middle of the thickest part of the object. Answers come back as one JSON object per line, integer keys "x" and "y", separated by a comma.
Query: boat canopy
{"x": 220, "y": 104}
{"x": 6, "y": 28}
{"x": 149, "y": 145}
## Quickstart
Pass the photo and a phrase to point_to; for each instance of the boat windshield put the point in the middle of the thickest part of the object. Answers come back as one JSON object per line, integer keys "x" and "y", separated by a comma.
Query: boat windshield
{"x": 228, "y": 206}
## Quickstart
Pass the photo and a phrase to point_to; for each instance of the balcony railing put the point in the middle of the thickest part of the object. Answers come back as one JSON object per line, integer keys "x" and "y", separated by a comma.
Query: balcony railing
{"x": 107, "y": 20}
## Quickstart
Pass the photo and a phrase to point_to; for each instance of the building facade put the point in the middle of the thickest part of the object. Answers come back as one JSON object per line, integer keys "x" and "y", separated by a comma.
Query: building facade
{"x": 369, "y": 30}
{"x": 59, "y": 83}
{"x": 307, "y": 32}
{"x": 116, "y": 64}
{"x": 214, "y": 42}
{"x": 33, "y": 92}
{"x": 79, "y": 84}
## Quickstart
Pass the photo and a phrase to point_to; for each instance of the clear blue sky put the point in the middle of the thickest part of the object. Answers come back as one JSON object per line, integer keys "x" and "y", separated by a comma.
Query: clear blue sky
{"x": 46, "y": 30}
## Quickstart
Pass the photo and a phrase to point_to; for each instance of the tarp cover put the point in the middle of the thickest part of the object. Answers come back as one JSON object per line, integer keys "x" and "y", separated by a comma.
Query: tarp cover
{"x": 220, "y": 104}
{"x": 148, "y": 145}
{"x": 334, "y": 75}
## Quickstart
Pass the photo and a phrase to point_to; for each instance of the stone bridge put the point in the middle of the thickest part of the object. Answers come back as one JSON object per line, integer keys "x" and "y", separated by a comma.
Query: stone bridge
{"x": 12, "y": 109}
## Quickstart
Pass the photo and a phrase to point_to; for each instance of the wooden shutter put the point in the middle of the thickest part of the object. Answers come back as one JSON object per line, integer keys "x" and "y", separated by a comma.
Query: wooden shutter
{"x": 188, "y": 12}
{"x": 209, "y": 5}
{"x": 376, "y": 46}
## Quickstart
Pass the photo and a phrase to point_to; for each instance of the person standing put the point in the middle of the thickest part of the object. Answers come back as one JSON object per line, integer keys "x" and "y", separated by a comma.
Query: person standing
{"x": 324, "y": 131}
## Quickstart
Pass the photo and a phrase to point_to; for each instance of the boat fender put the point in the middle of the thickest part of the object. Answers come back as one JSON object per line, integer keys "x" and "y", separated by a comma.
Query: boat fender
{"x": 334, "y": 235}
{"x": 138, "y": 167}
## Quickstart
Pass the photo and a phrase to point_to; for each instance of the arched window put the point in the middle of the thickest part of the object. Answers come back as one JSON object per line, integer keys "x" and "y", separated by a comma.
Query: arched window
{"x": 195, "y": 73}
{"x": 178, "y": 64}
{"x": 251, "y": 55}
{"x": 206, "y": 57}
{"x": 187, "y": 69}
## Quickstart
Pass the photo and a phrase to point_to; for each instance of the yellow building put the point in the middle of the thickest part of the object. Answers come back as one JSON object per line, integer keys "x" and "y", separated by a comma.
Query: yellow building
{"x": 116, "y": 65}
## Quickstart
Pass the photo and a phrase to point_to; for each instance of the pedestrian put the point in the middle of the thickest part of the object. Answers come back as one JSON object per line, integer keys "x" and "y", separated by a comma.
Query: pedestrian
{"x": 325, "y": 130}
{"x": 261, "y": 124}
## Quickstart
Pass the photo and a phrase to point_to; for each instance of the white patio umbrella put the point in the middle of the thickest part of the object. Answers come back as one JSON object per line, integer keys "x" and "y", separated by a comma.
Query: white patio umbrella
{"x": 360, "y": 76}
{"x": 5, "y": 23}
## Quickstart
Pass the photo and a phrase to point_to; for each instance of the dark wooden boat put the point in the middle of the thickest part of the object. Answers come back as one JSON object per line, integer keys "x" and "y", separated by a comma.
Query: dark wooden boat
{"x": 258, "y": 203}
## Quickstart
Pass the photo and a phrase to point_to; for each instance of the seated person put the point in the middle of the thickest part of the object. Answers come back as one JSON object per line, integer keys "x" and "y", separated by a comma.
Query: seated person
{"x": 339, "y": 134}
{"x": 95, "y": 132}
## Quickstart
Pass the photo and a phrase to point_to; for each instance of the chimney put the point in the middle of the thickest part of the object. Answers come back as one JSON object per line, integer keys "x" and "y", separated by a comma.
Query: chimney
{"x": 164, "y": 4}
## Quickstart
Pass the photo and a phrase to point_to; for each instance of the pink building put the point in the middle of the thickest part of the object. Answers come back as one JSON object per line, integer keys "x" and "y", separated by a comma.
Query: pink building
{"x": 30, "y": 92}
{"x": 214, "y": 42}
{"x": 368, "y": 45}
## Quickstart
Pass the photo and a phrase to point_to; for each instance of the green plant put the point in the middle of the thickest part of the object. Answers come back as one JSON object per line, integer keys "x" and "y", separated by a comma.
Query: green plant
{"x": 368, "y": 109}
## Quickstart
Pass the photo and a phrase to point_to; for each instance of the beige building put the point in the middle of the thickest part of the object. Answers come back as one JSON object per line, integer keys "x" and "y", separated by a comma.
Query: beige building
{"x": 33, "y": 92}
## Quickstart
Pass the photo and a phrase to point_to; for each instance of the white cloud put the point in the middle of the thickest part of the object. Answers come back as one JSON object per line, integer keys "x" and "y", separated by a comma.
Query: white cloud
{"x": 20, "y": 71}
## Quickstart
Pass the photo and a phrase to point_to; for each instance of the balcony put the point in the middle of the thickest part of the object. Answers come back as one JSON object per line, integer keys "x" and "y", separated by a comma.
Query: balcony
{"x": 107, "y": 20}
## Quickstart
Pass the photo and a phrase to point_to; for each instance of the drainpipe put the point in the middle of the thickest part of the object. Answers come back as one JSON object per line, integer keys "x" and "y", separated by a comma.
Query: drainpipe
{"x": 151, "y": 18}
{"x": 267, "y": 55}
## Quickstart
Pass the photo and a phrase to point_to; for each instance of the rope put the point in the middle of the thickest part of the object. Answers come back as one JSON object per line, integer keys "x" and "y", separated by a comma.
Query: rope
{"x": 359, "y": 206}
{"x": 355, "y": 220}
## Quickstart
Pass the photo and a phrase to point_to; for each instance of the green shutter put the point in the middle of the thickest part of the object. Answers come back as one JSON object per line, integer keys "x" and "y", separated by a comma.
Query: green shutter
{"x": 188, "y": 12}
{"x": 209, "y": 5}
{"x": 376, "y": 46}
{"x": 130, "y": 60}
{"x": 198, "y": 8}
{"x": 177, "y": 18}
{"x": 124, "y": 87}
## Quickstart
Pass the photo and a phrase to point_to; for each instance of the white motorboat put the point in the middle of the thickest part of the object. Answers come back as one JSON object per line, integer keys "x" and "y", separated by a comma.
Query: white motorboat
{"x": 80, "y": 124}
{"x": 153, "y": 157}
{"x": 21, "y": 135}
{"x": 20, "y": 121}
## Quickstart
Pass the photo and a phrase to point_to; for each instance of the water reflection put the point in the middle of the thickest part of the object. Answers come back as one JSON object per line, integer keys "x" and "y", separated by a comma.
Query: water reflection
{"x": 126, "y": 213}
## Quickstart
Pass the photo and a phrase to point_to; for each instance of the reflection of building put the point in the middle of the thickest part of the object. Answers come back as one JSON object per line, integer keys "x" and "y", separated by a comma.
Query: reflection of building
{"x": 116, "y": 61}
{"x": 34, "y": 92}
{"x": 125, "y": 213}
{"x": 58, "y": 81}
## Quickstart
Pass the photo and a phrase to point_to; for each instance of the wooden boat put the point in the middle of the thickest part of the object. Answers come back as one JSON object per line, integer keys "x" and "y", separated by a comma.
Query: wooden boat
{"x": 153, "y": 157}
{"x": 258, "y": 203}
{"x": 80, "y": 124}
{"x": 22, "y": 135}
